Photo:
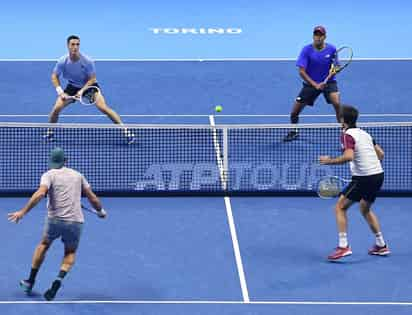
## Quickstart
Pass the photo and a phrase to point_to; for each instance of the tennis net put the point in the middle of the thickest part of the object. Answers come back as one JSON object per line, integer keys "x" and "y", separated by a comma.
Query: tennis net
{"x": 195, "y": 158}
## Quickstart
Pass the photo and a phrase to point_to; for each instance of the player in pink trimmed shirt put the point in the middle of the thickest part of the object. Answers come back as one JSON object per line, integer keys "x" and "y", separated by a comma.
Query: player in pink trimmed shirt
{"x": 364, "y": 156}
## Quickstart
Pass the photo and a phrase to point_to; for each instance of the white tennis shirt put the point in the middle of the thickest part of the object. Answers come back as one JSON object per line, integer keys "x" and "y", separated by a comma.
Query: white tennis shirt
{"x": 366, "y": 161}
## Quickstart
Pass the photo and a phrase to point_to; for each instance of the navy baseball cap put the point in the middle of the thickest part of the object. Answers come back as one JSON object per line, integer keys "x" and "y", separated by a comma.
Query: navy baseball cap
{"x": 319, "y": 29}
{"x": 57, "y": 158}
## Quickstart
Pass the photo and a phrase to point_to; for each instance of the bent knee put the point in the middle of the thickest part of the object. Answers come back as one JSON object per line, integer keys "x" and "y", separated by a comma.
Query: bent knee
{"x": 45, "y": 243}
{"x": 57, "y": 108}
{"x": 102, "y": 106}
{"x": 364, "y": 207}
{"x": 340, "y": 208}
{"x": 341, "y": 205}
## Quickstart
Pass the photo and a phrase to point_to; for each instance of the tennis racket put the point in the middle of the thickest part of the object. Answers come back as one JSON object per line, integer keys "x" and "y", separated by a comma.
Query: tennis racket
{"x": 331, "y": 186}
{"x": 100, "y": 214}
{"x": 88, "y": 97}
{"x": 341, "y": 59}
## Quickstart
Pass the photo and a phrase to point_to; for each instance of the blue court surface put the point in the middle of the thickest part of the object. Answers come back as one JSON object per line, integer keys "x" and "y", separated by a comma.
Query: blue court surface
{"x": 210, "y": 255}
{"x": 176, "y": 255}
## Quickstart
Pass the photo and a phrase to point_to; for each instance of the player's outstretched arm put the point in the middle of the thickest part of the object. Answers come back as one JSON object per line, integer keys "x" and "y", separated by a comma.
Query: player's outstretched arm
{"x": 38, "y": 195}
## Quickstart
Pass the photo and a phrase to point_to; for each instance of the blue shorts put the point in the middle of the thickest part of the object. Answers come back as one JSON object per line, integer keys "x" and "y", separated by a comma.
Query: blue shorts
{"x": 69, "y": 232}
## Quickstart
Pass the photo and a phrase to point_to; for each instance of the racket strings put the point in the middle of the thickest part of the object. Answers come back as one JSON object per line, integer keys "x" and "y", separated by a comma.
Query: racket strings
{"x": 89, "y": 95}
{"x": 329, "y": 187}
{"x": 344, "y": 57}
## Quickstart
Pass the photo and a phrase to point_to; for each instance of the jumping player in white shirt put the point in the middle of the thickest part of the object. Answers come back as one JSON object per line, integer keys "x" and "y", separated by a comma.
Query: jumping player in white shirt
{"x": 365, "y": 158}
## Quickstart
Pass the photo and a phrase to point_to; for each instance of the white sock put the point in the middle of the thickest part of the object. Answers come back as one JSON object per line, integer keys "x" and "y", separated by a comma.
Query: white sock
{"x": 379, "y": 239}
{"x": 343, "y": 240}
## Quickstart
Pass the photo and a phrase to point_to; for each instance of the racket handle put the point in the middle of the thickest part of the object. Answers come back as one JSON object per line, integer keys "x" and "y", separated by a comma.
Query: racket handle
{"x": 328, "y": 77}
{"x": 101, "y": 214}
{"x": 72, "y": 98}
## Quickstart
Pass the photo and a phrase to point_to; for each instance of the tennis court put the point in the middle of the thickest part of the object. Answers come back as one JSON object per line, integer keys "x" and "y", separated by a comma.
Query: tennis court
{"x": 208, "y": 213}
{"x": 204, "y": 254}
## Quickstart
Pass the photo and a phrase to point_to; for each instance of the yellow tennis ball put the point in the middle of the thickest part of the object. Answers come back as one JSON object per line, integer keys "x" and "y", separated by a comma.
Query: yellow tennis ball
{"x": 218, "y": 108}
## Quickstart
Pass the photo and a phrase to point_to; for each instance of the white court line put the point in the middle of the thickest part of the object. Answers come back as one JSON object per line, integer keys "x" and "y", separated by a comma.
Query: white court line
{"x": 219, "y": 154}
{"x": 280, "y": 59}
{"x": 203, "y": 115}
{"x": 231, "y": 221}
{"x": 333, "y": 303}
{"x": 236, "y": 248}
{"x": 101, "y": 115}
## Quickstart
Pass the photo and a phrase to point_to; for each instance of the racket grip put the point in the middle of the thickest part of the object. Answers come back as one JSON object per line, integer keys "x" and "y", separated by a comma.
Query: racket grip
{"x": 327, "y": 78}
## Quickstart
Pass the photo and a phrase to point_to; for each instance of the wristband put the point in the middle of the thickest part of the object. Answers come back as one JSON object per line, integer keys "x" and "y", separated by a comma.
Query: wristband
{"x": 59, "y": 90}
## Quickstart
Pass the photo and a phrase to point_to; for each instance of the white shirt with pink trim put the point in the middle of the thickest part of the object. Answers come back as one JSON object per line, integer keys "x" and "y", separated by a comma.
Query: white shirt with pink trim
{"x": 366, "y": 161}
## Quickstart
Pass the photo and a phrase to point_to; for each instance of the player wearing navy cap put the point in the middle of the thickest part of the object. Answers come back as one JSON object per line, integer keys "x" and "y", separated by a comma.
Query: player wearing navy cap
{"x": 64, "y": 187}
{"x": 314, "y": 64}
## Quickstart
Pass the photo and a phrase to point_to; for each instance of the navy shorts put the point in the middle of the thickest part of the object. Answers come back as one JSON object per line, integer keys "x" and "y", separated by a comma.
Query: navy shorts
{"x": 69, "y": 232}
{"x": 72, "y": 90}
{"x": 308, "y": 94}
{"x": 363, "y": 187}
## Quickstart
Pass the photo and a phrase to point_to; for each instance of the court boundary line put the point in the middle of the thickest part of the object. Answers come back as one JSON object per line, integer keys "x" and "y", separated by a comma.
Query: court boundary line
{"x": 236, "y": 248}
{"x": 229, "y": 214}
{"x": 338, "y": 303}
{"x": 204, "y": 115}
{"x": 279, "y": 59}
